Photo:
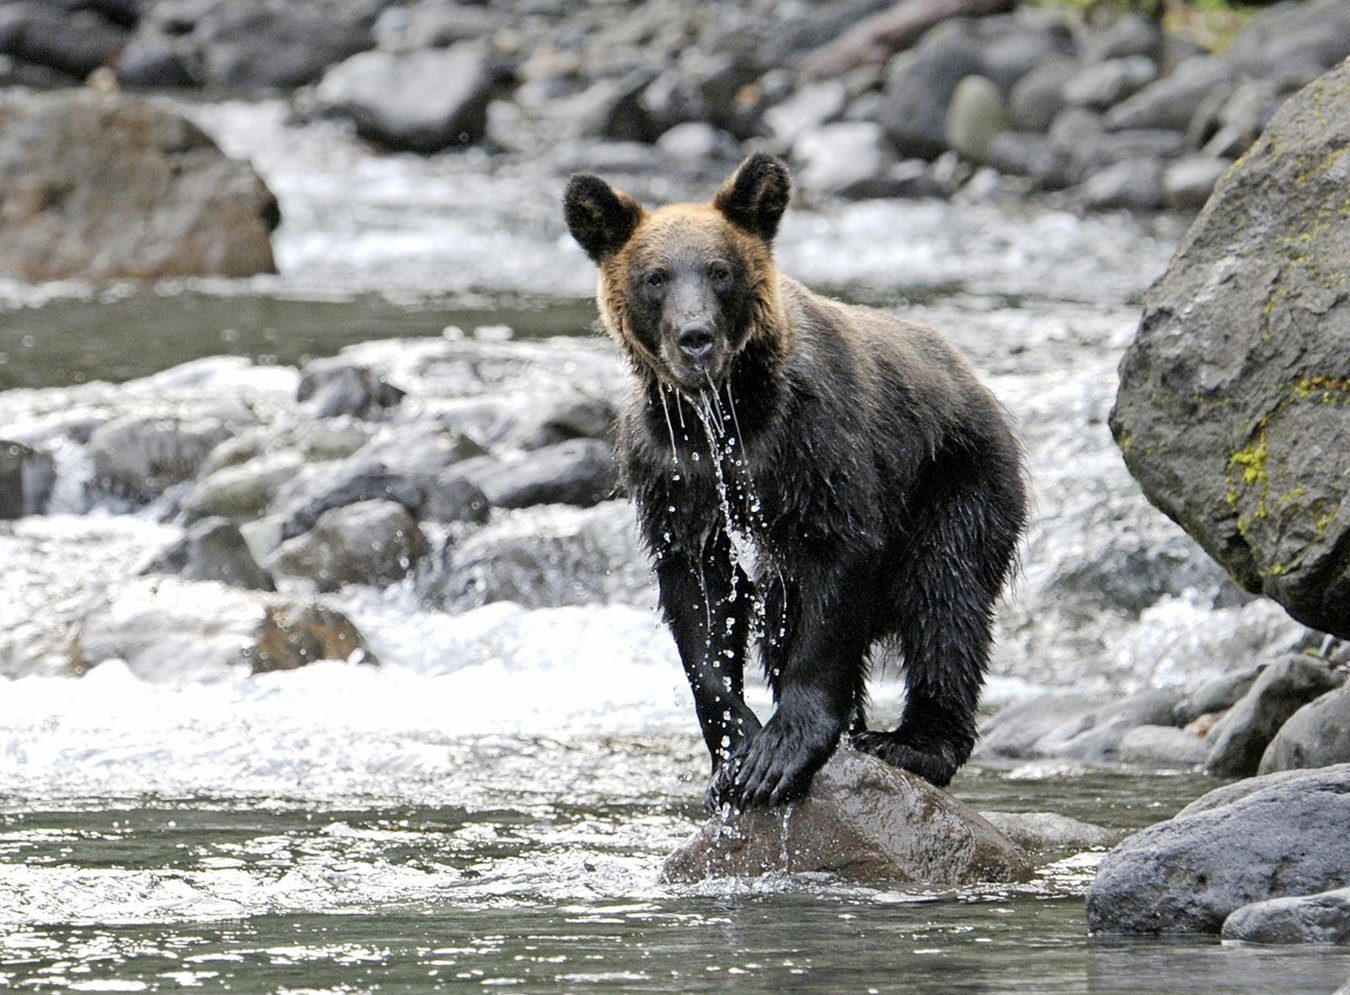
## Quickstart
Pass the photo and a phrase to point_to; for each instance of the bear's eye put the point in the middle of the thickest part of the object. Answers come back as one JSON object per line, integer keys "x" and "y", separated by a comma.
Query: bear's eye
{"x": 720, "y": 273}
{"x": 654, "y": 281}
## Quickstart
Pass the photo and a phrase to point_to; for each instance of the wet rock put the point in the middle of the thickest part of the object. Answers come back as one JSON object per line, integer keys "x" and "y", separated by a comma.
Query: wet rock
{"x": 850, "y": 159}
{"x": 861, "y": 821}
{"x": 1296, "y": 43}
{"x": 1220, "y": 694}
{"x": 1024, "y": 154}
{"x": 545, "y": 558}
{"x": 1072, "y": 728}
{"x": 449, "y": 497}
{"x": 370, "y": 542}
{"x": 139, "y": 457}
{"x": 806, "y": 110}
{"x": 213, "y": 549}
{"x": 975, "y": 116}
{"x": 1105, "y": 84}
{"x": 100, "y": 186}
{"x": 1187, "y": 183}
{"x": 169, "y": 630}
{"x": 1317, "y": 735}
{"x": 559, "y": 418}
{"x": 1039, "y": 95}
{"x": 1284, "y": 836}
{"x": 1133, "y": 183}
{"x": 424, "y": 101}
{"x": 1128, "y": 35}
{"x": 242, "y": 491}
{"x": 1162, "y": 746}
{"x": 334, "y": 386}
{"x": 1050, "y": 831}
{"x": 919, "y": 86}
{"x": 1169, "y": 102}
{"x": 26, "y": 479}
{"x": 1238, "y": 740}
{"x": 1321, "y": 918}
{"x": 70, "y": 41}
{"x": 1230, "y": 408}
{"x": 579, "y": 471}
{"x": 322, "y": 489}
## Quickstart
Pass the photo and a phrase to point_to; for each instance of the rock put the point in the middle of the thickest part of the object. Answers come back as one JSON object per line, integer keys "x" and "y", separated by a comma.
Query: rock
{"x": 610, "y": 108}
{"x": 1222, "y": 693}
{"x": 333, "y": 386}
{"x": 1317, "y": 735}
{"x": 1230, "y": 411}
{"x": 424, "y": 101}
{"x": 1098, "y": 154}
{"x": 151, "y": 60}
{"x": 436, "y": 25}
{"x": 1104, "y": 84}
{"x": 861, "y": 821}
{"x": 26, "y": 479}
{"x": 138, "y": 457}
{"x": 242, "y": 491}
{"x": 1071, "y": 728}
{"x": 1236, "y": 118}
{"x": 253, "y": 44}
{"x": 1162, "y": 746}
{"x": 1015, "y": 45}
{"x": 302, "y": 502}
{"x": 1241, "y": 736}
{"x": 919, "y": 86}
{"x": 370, "y": 542}
{"x": 1133, "y": 183}
{"x": 1024, "y": 154}
{"x": 1321, "y": 918}
{"x": 1170, "y": 101}
{"x": 1188, "y": 874}
{"x": 73, "y": 41}
{"x": 1188, "y": 182}
{"x": 850, "y": 159}
{"x": 428, "y": 446}
{"x": 451, "y": 498}
{"x": 172, "y": 630}
{"x": 1050, "y": 831}
{"x": 547, "y": 557}
{"x": 806, "y": 110}
{"x": 1128, "y": 35}
{"x": 213, "y": 549}
{"x": 975, "y": 116}
{"x": 701, "y": 86}
{"x": 579, "y": 471}
{"x": 1296, "y": 42}
{"x": 1039, "y": 95}
{"x": 698, "y": 144}
{"x": 99, "y": 186}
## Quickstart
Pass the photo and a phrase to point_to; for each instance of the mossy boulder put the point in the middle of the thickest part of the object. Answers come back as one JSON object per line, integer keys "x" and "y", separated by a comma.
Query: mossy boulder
{"x": 1234, "y": 403}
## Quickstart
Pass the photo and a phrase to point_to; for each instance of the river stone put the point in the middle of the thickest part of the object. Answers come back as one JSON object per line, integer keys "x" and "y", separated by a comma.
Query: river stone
{"x": 423, "y": 101}
{"x": 242, "y": 491}
{"x": 919, "y": 86}
{"x": 139, "y": 457}
{"x": 862, "y": 820}
{"x": 26, "y": 479}
{"x": 1162, "y": 746}
{"x": 1170, "y": 101}
{"x": 1219, "y": 694}
{"x": 807, "y": 109}
{"x": 579, "y": 471}
{"x": 1071, "y": 728}
{"x": 1322, "y": 918}
{"x": 71, "y": 41}
{"x": 213, "y": 549}
{"x": 1296, "y": 41}
{"x": 370, "y": 542}
{"x": 1231, "y": 408}
{"x": 1105, "y": 84}
{"x": 1133, "y": 183}
{"x": 1039, "y": 95}
{"x": 850, "y": 159}
{"x": 974, "y": 117}
{"x": 333, "y": 386}
{"x": 99, "y": 186}
{"x": 1188, "y": 874}
{"x": 1188, "y": 182}
{"x": 170, "y": 630}
{"x": 1317, "y": 735}
{"x": 1050, "y": 831}
{"x": 1238, "y": 740}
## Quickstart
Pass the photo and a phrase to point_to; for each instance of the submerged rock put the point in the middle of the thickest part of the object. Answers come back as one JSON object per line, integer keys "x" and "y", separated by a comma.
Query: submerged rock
{"x": 1232, "y": 400}
{"x": 862, "y": 820}
{"x": 1050, "y": 831}
{"x": 1274, "y": 837}
{"x": 1322, "y": 918}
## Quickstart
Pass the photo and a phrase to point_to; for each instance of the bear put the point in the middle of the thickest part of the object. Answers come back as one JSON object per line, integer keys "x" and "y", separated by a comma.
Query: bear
{"x": 813, "y": 479}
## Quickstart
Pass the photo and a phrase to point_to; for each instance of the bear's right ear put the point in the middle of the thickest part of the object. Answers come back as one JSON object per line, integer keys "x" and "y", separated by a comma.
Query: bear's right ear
{"x": 756, "y": 196}
{"x": 600, "y": 218}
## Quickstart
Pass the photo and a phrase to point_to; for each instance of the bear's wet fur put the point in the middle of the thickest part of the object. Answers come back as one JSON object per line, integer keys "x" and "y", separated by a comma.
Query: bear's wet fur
{"x": 828, "y": 476}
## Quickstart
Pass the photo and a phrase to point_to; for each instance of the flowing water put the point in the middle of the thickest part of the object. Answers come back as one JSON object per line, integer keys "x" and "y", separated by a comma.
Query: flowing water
{"x": 492, "y": 805}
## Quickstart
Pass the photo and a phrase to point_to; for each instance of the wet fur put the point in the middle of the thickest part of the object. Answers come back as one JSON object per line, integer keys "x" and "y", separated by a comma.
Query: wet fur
{"x": 878, "y": 480}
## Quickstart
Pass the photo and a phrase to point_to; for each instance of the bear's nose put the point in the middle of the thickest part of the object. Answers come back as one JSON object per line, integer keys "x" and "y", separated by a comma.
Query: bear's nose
{"x": 695, "y": 340}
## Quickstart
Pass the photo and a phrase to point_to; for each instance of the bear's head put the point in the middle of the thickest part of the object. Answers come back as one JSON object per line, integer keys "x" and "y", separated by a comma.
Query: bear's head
{"x": 686, "y": 287}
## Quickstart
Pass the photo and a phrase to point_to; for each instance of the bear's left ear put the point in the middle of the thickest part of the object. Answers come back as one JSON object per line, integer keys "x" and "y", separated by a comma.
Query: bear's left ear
{"x": 600, "y": 218}
{"x": 756, "y": 197}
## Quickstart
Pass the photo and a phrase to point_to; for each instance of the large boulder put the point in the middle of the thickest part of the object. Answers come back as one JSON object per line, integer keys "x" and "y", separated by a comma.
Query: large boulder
{"x": 1233, "y": 395}
{"x": 101, "y": 186}
{"x": 370, "y": 542}
{"x": 1275, "y": 837}
{"x": 139, "y": 457}
{"x": 1317, "y": 735}
{"x": 862, "y": 820}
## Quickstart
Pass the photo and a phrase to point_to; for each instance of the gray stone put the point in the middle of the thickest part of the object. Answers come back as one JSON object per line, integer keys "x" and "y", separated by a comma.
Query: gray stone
{"x": 1162, "y": 746}
{"x": 1238, "y": 740}
{"x": 100, "y": 186}
{"x": 863, "y": 821}
{"x": 611, "y": 108}
{"x": 1230, "y": 411}
{"x": 1188, "y": 182}
{"x": 1071, "y": 728}
{"x": 213, "y": 549}
{"x": 700, "y": 144}
{"x": 1294, "y": 42}
{"x": 427, "y": 445}
{"x": 1188, "y": 874}
{"x": 1014, "y": 48}
{"x": 919, "y": 86}
{"x": 334, "y": 386}
{"x": 322, "y": 489}
{"x": 1040, "y": 831}
{"x": 424, "y": 101}
{"x": 151, "y": 60}
{"x": 371, "y": 542}
{"x": 849, "y": 159}
{"x": 1170, "y": 101}
{"x": 1321, "y": 918}
{"x": 1104, "y": 84}
{"x": 1111, "y": 148}
{"x": 975, "y": 117}
{"x": 75, "y": 42}
{"x": 139, "y": 457}
{"x": 1025, "y": 154}
{"x": 26, "y": 479}
{"x": 701, "y": 86}
{"x": 579, "y": 471}
{"x": 1132, "y": 183}
{"x": 1222, "y": 693}
{"x": 807, "y": 109}
{"x": 242, "y": 491}
{"x": 1039, "y": 95}
{"x": 1128, "y": 35}
{"x": 1317, "y": 735}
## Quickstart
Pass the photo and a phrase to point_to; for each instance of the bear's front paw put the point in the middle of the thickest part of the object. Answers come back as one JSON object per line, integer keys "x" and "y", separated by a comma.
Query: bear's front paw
{"x": 772, "y": 768}
{"x": 935, "y": 766}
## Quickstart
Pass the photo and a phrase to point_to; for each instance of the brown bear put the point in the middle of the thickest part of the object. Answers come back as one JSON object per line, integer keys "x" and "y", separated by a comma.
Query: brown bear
{"x": 820, "y": 476}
